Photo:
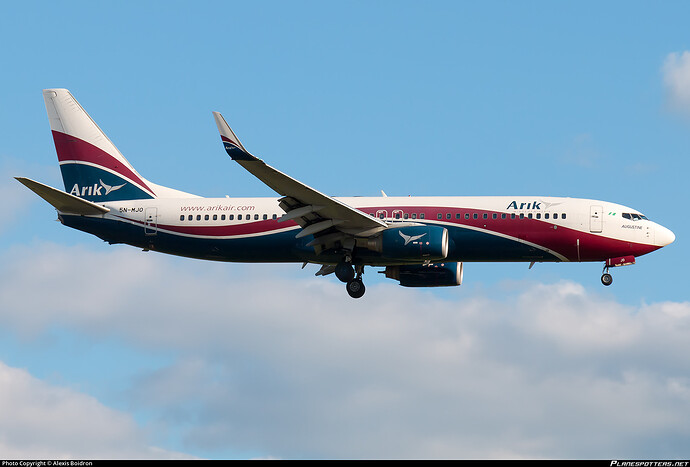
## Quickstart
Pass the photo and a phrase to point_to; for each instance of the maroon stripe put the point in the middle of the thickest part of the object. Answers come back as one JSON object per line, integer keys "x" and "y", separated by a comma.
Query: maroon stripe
{"x": 247, "y": 228}
{"x": 562, "y": 240}
{"x": 71, "y": 148}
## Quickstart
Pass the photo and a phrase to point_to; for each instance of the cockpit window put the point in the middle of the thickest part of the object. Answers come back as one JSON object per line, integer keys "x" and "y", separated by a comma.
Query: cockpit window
{"x": 634, "y": 217}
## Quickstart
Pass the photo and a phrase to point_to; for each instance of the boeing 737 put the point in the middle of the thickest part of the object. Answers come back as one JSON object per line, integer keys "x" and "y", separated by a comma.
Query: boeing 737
{"x": 420, "y": 241}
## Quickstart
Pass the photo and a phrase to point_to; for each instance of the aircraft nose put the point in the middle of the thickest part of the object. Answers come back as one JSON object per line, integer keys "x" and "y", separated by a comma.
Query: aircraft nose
{"x": 663, "y": 236}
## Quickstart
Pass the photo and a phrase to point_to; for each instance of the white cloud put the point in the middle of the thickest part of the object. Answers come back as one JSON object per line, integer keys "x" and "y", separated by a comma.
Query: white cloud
{"x": 676, "y": 75}
{"x": 40, "y": 421}
{"x": 293, "y": 367}
{"x": 16, "y": 197}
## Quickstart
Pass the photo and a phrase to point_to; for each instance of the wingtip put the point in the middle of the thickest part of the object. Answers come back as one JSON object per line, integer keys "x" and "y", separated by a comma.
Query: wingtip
{"x": 231, "y": 142}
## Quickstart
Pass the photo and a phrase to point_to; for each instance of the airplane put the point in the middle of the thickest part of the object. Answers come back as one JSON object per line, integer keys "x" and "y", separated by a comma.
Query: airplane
{"x": 419, "y": 241}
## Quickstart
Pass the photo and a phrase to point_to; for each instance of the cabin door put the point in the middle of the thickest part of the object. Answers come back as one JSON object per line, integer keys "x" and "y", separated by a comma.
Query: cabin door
{"x": 596, "y": 219}
{"x": 151, "y": 221}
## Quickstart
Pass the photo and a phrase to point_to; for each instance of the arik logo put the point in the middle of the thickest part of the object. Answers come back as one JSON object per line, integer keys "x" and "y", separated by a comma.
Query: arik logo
{"x": 95, "y": 190}
{"x": 410, "y": 238}
{"x": 531, "y": 205}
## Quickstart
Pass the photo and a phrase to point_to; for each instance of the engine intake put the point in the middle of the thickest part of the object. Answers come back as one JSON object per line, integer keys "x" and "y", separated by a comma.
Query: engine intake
{"x": 432, "y": 275}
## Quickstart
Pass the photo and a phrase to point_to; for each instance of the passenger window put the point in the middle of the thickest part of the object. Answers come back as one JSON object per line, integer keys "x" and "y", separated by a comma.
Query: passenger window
{"x": 538, "y": 215}
{"x": 546, "y": 215}
{"x": 275, "y": 216}
{"x": 265, "y": 216}
{"x": 467, "y": 215}
{"x": 222, "y": 217}
{"x": 555, "y": 216}
{"x": 512, "y": 216}
{"x": 256, "y": 217}
{"x": 458, "y": 216}
{"x": 475, "y": 215}
{"x": 231, "y": 217}
{"x": 198, "y": 217}
{"x": 190, "y": 217}
{"x": 494, "y": 216}
{"x": 239, "y": 217}
{"x": 414, "y": 215}
{"x": 182, "y": 217}
{"x": 397, "y": 215}
{"x": 503, "y": 216}
{"x": 407, "y": 215}
{"x": 206, "y": 217}
{"x": 421, "y": 216}
{"x": 485, "y": 216}
{"x": 529, "y": 216}
{"x": 563, "y": 216}
{"x": 439, "y": 215}
{"x": 448, "y": 216}
{"x": 215, "y": 217}
{"x": 522, "y": 215}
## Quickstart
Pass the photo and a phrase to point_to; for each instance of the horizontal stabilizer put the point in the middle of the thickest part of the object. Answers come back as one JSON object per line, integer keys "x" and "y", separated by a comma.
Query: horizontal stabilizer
{"x": 63, "y": 202}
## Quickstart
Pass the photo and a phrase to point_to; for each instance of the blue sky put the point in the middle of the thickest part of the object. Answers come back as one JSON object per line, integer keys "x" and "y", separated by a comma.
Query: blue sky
{"x": 153, "y": 356}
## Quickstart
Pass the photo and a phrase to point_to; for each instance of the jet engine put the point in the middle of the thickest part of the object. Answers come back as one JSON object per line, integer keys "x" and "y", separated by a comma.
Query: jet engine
{"x": 431, "y": 275}
{"x": 428, "y": 242}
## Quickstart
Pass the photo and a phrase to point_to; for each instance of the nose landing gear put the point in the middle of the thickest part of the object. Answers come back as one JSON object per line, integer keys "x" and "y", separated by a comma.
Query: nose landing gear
{"x": 606, "y": 278}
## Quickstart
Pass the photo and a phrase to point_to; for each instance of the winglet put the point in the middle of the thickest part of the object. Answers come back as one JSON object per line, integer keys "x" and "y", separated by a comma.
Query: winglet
{"x": 231, "y": 142}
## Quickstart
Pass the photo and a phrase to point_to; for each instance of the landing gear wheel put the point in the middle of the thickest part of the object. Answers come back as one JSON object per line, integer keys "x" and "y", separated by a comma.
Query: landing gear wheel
{"x": 355, "y": 288}
{"x": 344, "y": 271}
{"x": 606, "y": 279}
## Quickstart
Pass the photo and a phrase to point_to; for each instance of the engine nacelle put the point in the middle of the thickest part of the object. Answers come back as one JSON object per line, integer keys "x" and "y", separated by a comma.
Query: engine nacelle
{"x": 424, "y": 242}
{"x": 432, "y": 275}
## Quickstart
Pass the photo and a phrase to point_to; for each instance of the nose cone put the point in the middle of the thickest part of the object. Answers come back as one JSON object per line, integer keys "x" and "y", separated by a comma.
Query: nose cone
{"x": 663, "y": 236}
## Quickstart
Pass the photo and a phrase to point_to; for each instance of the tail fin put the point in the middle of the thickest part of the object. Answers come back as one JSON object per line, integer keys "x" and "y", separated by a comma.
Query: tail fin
{"x": 92, "y": 167}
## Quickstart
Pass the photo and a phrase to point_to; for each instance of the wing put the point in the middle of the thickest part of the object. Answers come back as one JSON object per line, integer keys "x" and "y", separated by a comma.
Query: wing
{"x": 328, "y": 219}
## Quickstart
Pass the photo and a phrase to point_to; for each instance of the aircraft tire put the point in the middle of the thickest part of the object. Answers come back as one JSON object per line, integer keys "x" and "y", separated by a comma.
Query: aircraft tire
{"x": 344, "y": 271}
{"x": 355, "y": 288}
{"x": 607, "y": 279}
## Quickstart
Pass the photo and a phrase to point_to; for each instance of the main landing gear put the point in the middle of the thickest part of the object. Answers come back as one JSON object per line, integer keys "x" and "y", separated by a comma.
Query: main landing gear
{"x": 355, "y": 287}
{"x": 606, "y": 278}
{"x": 352, "y": 276}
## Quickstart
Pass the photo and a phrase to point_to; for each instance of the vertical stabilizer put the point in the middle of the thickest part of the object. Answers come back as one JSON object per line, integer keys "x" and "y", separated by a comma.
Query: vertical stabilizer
{"x": 92, "y": 167}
